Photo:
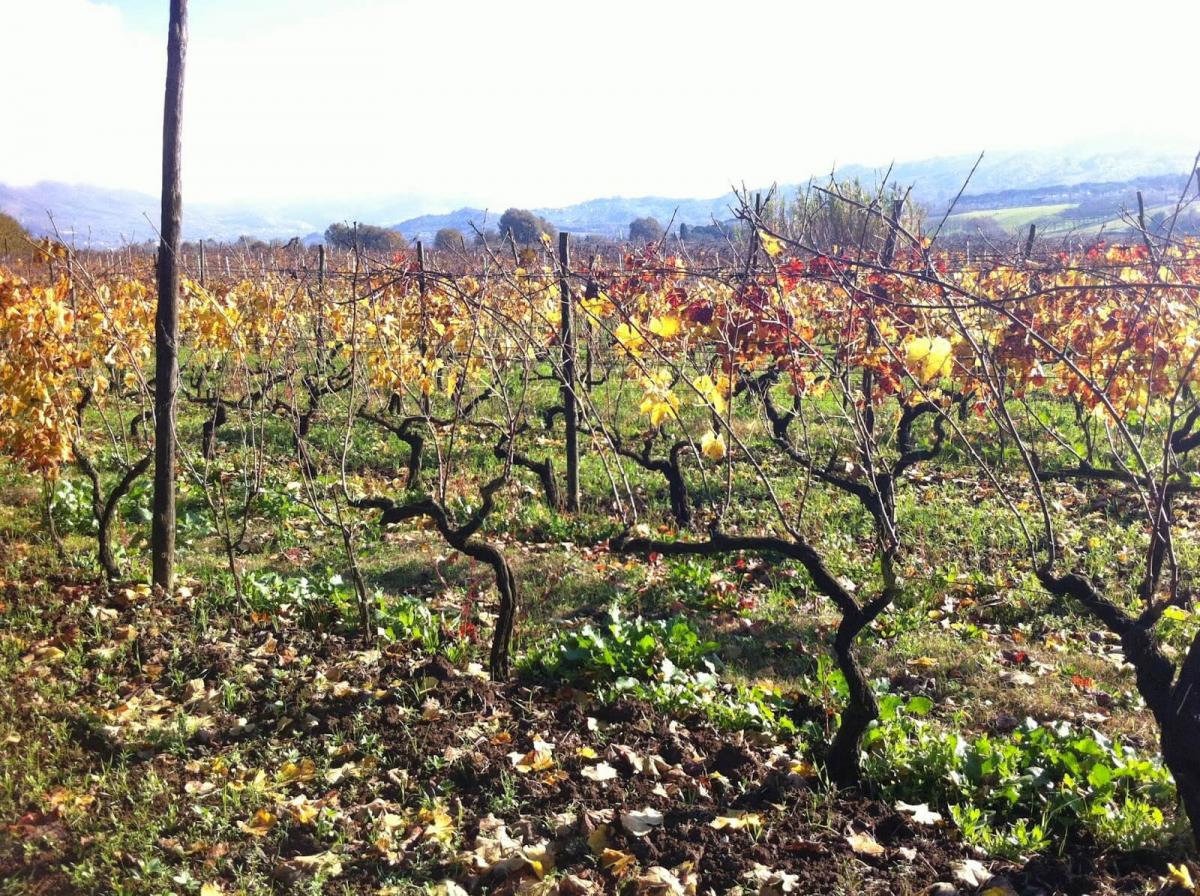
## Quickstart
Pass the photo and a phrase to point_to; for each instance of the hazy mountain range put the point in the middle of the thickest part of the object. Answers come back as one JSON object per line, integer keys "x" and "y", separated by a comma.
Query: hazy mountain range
{"x": 103, "y": 218}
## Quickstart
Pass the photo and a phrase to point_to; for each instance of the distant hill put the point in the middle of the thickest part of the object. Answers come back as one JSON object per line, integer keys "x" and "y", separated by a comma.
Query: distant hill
{"x": 423, "y": 227}
{"x": 601, "y": 217}
{"x": 1155, "y": 189}
{"x": 1085, "y": 177}
{"x": 1100, "y": 180}
{"x": 939, "y": 179}
{"x": 94, "y": 216}
{"x": 104, "y": 218}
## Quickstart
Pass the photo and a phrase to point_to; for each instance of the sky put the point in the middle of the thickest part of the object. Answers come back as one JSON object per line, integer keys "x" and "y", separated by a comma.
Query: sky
{"x": 538, "y": 103}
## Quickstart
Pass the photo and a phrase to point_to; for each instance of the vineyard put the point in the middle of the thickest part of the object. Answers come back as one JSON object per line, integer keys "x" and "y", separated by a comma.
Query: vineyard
{"x": 783, "y": 567}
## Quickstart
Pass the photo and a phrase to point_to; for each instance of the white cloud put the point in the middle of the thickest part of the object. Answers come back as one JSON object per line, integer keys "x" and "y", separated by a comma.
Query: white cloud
{"x": 546, "y": 103}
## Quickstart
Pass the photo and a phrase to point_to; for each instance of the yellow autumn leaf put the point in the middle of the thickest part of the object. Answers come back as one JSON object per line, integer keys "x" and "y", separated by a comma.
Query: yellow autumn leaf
{"x": 629, "y": 338}
{"x": 539, "y": 759}
{"x": 770, "y": 244}
{"x": 539, "y": 859}
{"x": 865, "y": 845}
{"x": 436, "y": 824}
{"x": 710, "y": 392}
{"x": 737, "y": 821}
{"x": 658, "y": 401}
{"x": 260, "y": 824}
{"x": 304, "y": 770}
{"x": 47, "y": 655}
{"x": 928, "y": 357}
{"x": 1181, "y": 876}
{"x": 616, "y": 862}
{"x": 665, "y": 327}
{"x": 303, "y": 811}
{"x": 713, "y": 445}
{"x": 598, "y": 839}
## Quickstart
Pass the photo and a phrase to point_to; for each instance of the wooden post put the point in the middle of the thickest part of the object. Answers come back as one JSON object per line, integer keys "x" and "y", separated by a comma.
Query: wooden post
{"x": 166, "y": 322}
{"x": 889, "y": 245}
{"x": 423, "y": 332}
{"x": 570, "y": 410}
{"x": 1028, "y": 250}
{"x": 321, "y": 266}
{"x": 203, "y": 266}
{"x": 423, "y": 311}
{"x": 1142, "y": 226}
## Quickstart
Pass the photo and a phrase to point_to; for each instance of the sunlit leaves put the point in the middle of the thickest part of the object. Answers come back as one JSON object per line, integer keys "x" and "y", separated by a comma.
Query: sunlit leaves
{"x": 771, "y": 245}
{"x": 260, "y": 824}
{"x": 666, "y": 327}
{"x": 658, "y": 401}
{"x": 928, "y": 357}
{"x": 711, "y": 392}
{"x": 629, "y": 338}
{"x": 712, "y": 445}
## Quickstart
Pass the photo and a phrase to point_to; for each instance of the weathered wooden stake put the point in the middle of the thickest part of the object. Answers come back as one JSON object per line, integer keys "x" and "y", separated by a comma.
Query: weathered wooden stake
{"x": 423, "y": 332}
{"x": 570, "y": 409}
{"x": 166, "y": 323}
{"x": 889, "y": 245}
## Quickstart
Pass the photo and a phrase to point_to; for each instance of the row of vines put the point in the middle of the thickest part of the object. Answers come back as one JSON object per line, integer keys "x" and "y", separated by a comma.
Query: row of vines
{"x": 714, "y": 404}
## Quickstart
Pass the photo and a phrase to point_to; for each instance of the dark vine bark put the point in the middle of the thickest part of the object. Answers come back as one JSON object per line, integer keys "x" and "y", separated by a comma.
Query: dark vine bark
{"x": 1172, "y": 694}
{"x": 671, "y": 469}
{"x": 209, "y": 432}
{"x": 463, "y": 539}
{"x": 842, "y": 760}
{"x": 877, "y": 494}
{"x": 104, "y": 509}
{"x": 406, "y": 431}
{"x": 543, "y": 469}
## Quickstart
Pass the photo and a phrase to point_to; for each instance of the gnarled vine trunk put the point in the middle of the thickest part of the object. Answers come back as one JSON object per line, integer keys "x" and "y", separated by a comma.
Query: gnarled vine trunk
{"x": 842, "y": 761}
{"x": 1172, "y": 694}
{"x": 462, "y": 539}
{"x": 104, "y": 510}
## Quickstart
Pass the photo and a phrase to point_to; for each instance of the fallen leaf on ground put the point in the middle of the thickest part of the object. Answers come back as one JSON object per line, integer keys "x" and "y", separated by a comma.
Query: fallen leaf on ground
{"x": 600, "y": 772}
{"x": 865, "y": 845}
{"x": 772, "y": 883}
{"x": 318, "y": 863}
{"x": 616, "y": 862}
{"x": 971, "y": 872}
{"x": 920, "y": 813}
{"x": 737, "y": 821}
{"x": 262, "y": 822}
{"x": 639, "y": 824}
{"x": 658, "y": 881}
